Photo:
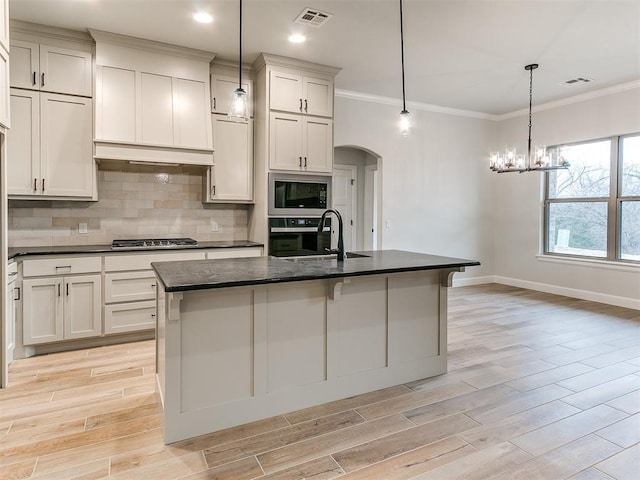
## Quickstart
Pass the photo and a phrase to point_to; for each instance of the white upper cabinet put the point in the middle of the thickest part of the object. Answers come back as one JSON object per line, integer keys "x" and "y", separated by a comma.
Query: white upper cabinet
{"x": 222, "y": 88}
{"x": 301, "y": 94}
{"x": 4, "y": 24}
{"x": 50, "y": 68}
{"x": 300, "y": 143}
{"x": 49, "y": 146}
{"x": 231, "y": 177}
{"x": 152, "y": 101}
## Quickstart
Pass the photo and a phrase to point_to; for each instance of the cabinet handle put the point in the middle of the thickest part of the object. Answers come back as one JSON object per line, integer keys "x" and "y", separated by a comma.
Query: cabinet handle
{"x": 43, "y": 185}
{"x": 43, "y": 79}
{"x": 153, "y": 315}
{"x": 67, "y": 289}
{"x": 300, "y": 161}
{"x": 300, "y": 104}
{"x": 305, "y": 162}
{"x": 35, "y": 81}
{"x": 214, "y": 103}
{"x": 153, "y": 285}
{"x": 213, "y": 190}
{"x": 58, "y": 289}
{"x": 305, "y": 105}
{"x": 35, "y": 184}
{"x": 16, "y": 293}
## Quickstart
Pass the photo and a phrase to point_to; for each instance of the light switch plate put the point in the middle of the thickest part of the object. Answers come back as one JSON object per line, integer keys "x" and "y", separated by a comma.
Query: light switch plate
{"x": 82, "y": 228}
{"x": 214, "y": 226}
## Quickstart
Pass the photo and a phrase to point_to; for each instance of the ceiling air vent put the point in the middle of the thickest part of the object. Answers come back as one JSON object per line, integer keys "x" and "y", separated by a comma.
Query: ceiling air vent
{"x": 577, "y": 80}
{"x": 313, "y": 18}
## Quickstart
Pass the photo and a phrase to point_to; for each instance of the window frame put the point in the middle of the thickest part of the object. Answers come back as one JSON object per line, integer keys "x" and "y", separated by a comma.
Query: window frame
{"x": 614, "y": 206}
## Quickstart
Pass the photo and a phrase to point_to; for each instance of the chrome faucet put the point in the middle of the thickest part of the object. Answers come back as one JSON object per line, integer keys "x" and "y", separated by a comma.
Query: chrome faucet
{"x": 340, "y": 250}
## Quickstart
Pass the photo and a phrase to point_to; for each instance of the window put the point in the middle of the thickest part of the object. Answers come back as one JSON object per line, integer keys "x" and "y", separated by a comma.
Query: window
{"x": 592, "y": 209}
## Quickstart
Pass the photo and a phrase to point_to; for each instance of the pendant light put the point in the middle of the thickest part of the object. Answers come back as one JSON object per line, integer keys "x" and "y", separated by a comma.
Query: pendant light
{"x": 404, "y": 124}
{"x": 542, "y": 160}
{"x": 239, "y": 111}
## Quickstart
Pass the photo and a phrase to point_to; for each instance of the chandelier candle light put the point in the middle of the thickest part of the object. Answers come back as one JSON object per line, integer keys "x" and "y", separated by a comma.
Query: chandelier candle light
{"x": 542, "y": 160}
{"x": 239, "y": 111}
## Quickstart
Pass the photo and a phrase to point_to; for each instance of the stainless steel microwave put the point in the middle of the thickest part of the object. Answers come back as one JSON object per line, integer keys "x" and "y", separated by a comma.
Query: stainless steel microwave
{"x": 299, "y": 195}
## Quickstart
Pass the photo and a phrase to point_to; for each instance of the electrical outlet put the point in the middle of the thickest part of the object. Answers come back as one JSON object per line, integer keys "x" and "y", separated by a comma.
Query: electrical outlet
{"x": 82, "y": 228}
{"x": 387, "y": 224}
{"x": 214, "y": 226}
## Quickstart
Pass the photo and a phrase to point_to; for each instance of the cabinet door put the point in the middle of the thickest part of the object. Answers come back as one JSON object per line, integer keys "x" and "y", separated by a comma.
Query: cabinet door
{"x": 318, "y": 97}
{"x": 318, "y": 144}
{"x": 23, "y": 144}
{"x": 82, "y": 305}
{"x": 191, "y": 115}
{"x": 5, "y": 119}
{"x": 65, "y": 71}
{"x": 4, "y": 24}
{"x": 222, "y": 88}
{"x": 285, "y": 92}
{"x": 67, "y": 163}
{"x": 25, "y": 70}
{"x": 42, "y": 310}
{"x": 156, "y": 100}
{"x": 285, "y": 141}
{"x": 232, "y": 173}
{"x": 115, "y": 104}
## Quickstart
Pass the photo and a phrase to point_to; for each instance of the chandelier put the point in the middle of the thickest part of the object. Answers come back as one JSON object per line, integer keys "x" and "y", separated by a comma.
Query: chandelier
{"x": 538, "y": 158}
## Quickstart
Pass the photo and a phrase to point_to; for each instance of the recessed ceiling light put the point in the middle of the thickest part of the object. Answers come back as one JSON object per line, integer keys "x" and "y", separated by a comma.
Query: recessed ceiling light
{"x": 202, "y": 17}
{"x": 297, "y": 38}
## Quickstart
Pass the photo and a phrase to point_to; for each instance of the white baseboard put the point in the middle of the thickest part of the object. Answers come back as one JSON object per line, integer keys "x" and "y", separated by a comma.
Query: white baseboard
{"x": 626, "y": 302}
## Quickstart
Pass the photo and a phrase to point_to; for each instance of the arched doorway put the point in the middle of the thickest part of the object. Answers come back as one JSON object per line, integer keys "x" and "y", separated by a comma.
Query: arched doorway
{"x": 357, "y": 195}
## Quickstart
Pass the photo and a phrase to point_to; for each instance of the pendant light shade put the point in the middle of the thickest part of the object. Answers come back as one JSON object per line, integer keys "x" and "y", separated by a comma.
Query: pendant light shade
{"x": 239, "y": 111}
{"x": 404, "y": 123}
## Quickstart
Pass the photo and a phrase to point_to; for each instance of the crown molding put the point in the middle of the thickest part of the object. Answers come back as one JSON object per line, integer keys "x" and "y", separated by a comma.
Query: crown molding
{"x": 366, "y": 97}
{"x": 583, "y": 97}
{"x": 278, "y": 60}
{"x": 47, "y": 31}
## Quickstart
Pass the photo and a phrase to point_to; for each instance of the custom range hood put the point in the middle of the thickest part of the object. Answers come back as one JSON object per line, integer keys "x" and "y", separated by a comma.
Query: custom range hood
{"x": 152, "y": 101}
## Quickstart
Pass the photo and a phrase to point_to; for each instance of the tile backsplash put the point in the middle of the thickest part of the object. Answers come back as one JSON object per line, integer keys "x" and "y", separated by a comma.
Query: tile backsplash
{"x": 135, "y": 201}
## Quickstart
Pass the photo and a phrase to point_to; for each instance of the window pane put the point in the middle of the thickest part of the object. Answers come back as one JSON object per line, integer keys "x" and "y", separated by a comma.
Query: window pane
{"x": 578, "y": 228}
{"x": 630, "y": 148}
{"x": 588, "y": 175}
{"x": 630, "y": 231}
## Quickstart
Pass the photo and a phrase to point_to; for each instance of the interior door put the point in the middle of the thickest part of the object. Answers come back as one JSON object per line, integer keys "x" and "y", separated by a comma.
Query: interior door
{"x": 345, "y": 201}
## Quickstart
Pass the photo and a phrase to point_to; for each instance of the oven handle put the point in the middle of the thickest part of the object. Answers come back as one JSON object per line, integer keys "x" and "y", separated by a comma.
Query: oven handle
{"x": 297, "y": 229}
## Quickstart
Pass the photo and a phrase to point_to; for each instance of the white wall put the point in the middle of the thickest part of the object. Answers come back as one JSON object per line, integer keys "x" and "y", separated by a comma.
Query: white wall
{"x": 518, "y": 202}
{"x": 436, "y": 189}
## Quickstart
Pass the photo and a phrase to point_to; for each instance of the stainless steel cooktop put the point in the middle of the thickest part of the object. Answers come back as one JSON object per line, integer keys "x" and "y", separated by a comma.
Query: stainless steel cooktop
{"x": 149, "y": 243}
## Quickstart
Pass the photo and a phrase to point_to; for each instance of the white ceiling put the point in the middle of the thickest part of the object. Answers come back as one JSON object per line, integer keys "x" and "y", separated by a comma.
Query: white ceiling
{"x": 461, "y": 54}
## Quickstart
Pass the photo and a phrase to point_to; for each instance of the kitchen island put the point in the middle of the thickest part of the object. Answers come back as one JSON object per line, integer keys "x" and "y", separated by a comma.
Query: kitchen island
{"x": 240, "y": 340}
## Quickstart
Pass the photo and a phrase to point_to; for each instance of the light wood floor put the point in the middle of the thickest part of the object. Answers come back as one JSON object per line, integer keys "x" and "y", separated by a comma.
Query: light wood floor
{"x": 539, "y": 387}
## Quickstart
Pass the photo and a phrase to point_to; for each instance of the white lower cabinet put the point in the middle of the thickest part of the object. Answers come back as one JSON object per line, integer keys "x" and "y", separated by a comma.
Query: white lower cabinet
{"x": 61, "y": 308}
{"x": 129, "y": 301}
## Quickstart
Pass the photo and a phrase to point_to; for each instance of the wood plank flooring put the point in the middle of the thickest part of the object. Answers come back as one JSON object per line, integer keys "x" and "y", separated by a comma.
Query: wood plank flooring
{"x": 539, "y": 387}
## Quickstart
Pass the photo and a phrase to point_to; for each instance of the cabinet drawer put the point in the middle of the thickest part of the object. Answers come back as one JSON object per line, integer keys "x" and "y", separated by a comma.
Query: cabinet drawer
{"x": 142, "y": 261}
{"x": 129, "y": 286}
{"x": 234, "y": 253}
{"x": 129, "y": 317}
{"x": 61, "y": 266}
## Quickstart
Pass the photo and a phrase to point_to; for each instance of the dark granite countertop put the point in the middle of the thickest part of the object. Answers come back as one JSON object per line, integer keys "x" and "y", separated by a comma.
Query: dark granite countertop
{"x": 205, "y": 274}
{"x": 15, "y": 252}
